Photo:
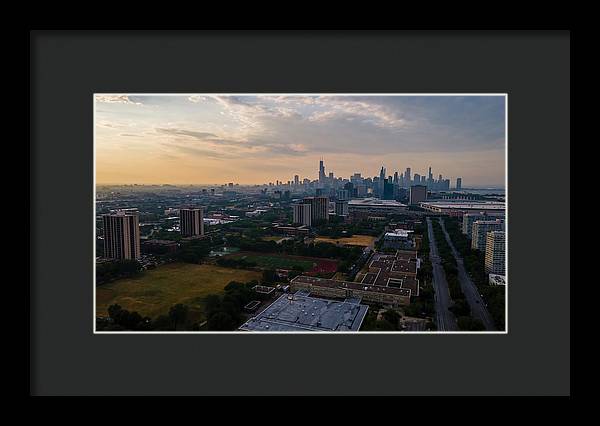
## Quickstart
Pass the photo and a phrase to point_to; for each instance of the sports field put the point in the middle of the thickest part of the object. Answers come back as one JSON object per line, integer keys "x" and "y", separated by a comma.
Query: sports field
{"x": 154, "y": 292}
{"x": 275, "y": 261}
{"x": 355, "y": 240}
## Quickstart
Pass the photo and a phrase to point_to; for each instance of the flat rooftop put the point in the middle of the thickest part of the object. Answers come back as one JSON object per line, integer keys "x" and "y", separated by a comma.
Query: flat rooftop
{"x": 299, "y": 312}
{"x": 350, "y": 285}
{"x": 374, "y": 202}
{"x": 484, "y": 205}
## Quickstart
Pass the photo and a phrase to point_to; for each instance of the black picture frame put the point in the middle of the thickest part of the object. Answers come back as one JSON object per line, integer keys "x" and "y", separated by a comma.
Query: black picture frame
{"x": 67, "y": 67}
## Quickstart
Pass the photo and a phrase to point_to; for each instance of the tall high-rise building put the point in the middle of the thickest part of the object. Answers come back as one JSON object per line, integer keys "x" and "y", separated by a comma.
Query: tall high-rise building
{"x": 322, "y": 176}
{"x": 495, "y": 252}
{"x": 352, "y": 190}
{"x": 381, "y": 181}
{"x": 417, "y": 179}
{"x": 388, "y": 189}
{"x": 480, "y": 230}
{"x": 418, "y": 193}
{"x": 396, "y": 179}
{"x": 296, "y": 180}
{"x": 407, "y": 178}
{"x": 191, "y": 222}
{"x": 319, "y": 208}
{"x": 121, "y": 235}
{"x": 302, "y": 214}
{"x": 458, "y": 184}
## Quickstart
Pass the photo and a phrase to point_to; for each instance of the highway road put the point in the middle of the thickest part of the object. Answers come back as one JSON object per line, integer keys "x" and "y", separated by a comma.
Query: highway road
{"x": 478, "y": 307}
{"x": 445, "y": 319}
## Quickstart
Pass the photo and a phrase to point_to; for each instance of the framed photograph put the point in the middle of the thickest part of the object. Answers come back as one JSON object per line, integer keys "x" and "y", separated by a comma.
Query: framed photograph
{"x": 294, "y": 213}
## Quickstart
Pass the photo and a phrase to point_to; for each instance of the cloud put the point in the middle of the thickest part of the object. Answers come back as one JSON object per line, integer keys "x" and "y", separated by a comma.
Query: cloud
{"x": 196, "y": 98}
{"x": 116, "y": 99}
{"x": 183, "y": 132}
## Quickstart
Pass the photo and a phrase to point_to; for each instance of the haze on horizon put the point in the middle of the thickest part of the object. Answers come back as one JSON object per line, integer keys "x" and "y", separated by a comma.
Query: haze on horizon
{"x": 210, "y": 139}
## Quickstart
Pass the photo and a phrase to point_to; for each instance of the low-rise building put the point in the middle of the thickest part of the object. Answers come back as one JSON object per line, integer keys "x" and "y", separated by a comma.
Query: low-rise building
{"x": 399, "y": 239}
{"x": 495, "y": 279}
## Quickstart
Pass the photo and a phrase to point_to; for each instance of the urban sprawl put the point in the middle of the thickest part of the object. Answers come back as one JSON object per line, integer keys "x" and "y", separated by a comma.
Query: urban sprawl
{"x": 394, "y": 252}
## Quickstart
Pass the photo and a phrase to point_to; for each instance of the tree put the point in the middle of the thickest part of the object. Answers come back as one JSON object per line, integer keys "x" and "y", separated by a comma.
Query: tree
{"x": 269, "y": 276}
{"x": 178, "y": 314}
{"x": 221, "y": 321}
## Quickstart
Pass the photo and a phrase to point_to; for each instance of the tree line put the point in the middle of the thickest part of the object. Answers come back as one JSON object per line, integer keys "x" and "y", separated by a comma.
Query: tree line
{"x": 474, "y": 261}
{"x": 460, "y": 307}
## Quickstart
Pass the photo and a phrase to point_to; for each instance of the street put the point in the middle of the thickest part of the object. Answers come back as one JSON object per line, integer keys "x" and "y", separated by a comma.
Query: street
{"x": 476, "y": 303}
{"x": 444, "y": 318}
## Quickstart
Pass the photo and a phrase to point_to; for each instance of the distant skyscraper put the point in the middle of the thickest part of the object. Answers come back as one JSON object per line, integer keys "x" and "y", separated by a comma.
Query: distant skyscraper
{"x": 302, "y": 214}
{"x": 418, "y": 193}
{"x": 388, "y": 189}
{"x": 322, "y": 176}
{"x": 417, "y": 179}
{"x": 495, "y": 253}
{"x": 396, "y": 179}
{"x": 407, "y": 178}
{"x": 121, "y": 236}
{"x": 458, "y": 184}
{"x": 381, "y": 181}
{"x": 296, "y": 180}
{"x": 191, "y": 222}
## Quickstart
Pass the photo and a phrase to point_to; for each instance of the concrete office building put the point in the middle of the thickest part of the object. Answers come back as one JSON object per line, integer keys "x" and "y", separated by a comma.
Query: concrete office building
{"x": 480, "y": 230}
{"x": 302, "y": 214}
{"x": 458, "y": 184}
{"x": 121, "y": 235}
{"x": 418, "y": 194}
{"x": 301, "y": 312}
{"x": 343, "y": 195}
{"x": 341, "y": 208}
{"x": 191, "y": 222}
{"x": 495, "y": 253}
{"x": 460, "y": 207}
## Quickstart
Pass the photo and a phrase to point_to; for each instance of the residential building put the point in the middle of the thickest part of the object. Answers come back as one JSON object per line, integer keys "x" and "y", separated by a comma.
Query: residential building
{"x": 495, "y": 253}
{"x": 480, "y": 230}
{"x": 121, "y": 235}
{"x": 191, "y": 222}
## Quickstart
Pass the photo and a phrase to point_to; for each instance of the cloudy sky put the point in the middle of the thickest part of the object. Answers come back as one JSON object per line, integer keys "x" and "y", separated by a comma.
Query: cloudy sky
{"x": 210, "y": 139}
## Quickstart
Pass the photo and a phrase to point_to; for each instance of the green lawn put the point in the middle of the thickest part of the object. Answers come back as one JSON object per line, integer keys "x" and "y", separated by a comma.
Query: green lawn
{"x": 154, "y": 292}
{"x": 277, "y": 262}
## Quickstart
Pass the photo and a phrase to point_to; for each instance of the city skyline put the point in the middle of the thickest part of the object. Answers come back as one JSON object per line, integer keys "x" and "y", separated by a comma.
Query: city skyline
{"x": 253, "y": 140}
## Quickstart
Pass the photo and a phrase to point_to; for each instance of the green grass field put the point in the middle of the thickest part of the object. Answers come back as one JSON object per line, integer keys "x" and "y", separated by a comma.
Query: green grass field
{"x": 153, "y": 293}
{"x": 276, "y": 262}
